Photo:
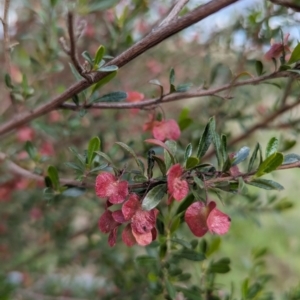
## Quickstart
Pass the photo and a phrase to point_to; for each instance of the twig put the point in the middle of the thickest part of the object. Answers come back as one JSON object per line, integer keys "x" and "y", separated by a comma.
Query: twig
{"x": 151, "y": 40}
{"x": 173, "y": 15}
{"x": 259, "y": 125}
{"x": 16, "y": 169}
{"x": 72, "y": 50}
{"x": 177, "y": 96}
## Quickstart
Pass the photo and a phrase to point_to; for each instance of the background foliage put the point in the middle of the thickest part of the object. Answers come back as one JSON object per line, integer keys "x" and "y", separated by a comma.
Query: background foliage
{"x": 50, "y": 244}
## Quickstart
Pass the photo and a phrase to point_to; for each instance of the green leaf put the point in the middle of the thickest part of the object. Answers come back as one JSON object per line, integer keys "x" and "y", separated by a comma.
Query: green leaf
{"x": 48, "y": 182}
{"x": 253, "y": 157}
{"x": 161, "y": 164}
{"x": 183, "y": 87}
{"x": 154, "y": 196}
{"x": 73, "y": 192}
{"x": 101, "y": 167}
{"x": 53, "y": 175}
{"x": 240, "y": 156}
{"x": 213, "y": 246}
{"x": 110, "y": 68}
{"x": 78, "y": 156}
{"x": 266, "y": 184}
{"x": 157, "y": 82}
{"x": 181, "y": 242}
{"x": 224, "y": 147}
{"x": 221, "y": 266}
{"x": 48, "y": 193}
{"x": 190, "y": 255}
{"x": 7, "y": 80}
{"x": 130, "y": 151}
{"x": 188, "y": 152}
{"x": 105, "y": 156}
{"x": 175, "y": 224}
{"x": 75, "y": 99}
{"x": 290, "y": 158}
{"x": 103, "y": 81}
{"x": 101, "y": 5}
{"x": 75, "y": 72}
{"x": 185, "y": 123}
{"x": 184, "y": 120}
{"x": 185, "y": 204}
{"x": 31, "y": 150}
{"x": 86, "y": 55}
{"x": 259, "y": 67}
{"x": 199, "y": 182}
{"x": 75, "y": 166}
{"x": 172, "y": 80}
{"x": 111, "y": 97}
{"x": 283, "y": 205}
{"x": 295, "y": 56}
{"x": 270, "y": 164}
{"x": 192, "y": 162}
{"x": 216, "y": 141}
{"x": 94, "y": 145}
{"x": 272, "y": 146}
{"x": 170, "y": 159}
{"x": 145, "y": 260}
{"x": 205, "y": 140}
{"x": 99, "y": 55}
{"x": 170, "y": 289}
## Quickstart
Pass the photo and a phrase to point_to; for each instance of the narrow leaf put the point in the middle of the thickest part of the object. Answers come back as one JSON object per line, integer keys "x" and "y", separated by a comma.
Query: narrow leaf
{"x": 290, "y": 158}
{"x": 105, "y": 156}
{"x": 94, "y": 145}
{"x": 129, "y": 150}
{"x": 205, "y": 141}
{"x": 259, "y": 67}
{"x": 154, "y": 196}
{"x": 103, "y": 81}
{"x": 31, "y": 150}
{"x": 161, "y": 164}
{"x": 73, "y": 192}
{"x": 295, "y": 56}
{"x": 110, "y": 68}
{"x": 270, "y": 164}
{"x": 190, "y": 255}
{"x": 99, "y": 55}
{"x": 240, "y": 156}
{"x": 87, "y": 57}
{"x": 188, "y": 152}
{"x": 253, "y": 157}
{"x": 157, "y": 82}
{"x": 192, "y": 162}
{"x": 170, "y": 159}
{"x": 272, "y": 146}
{"x": 111, "y": 97}
{"x": 266, "y": 184}
{"x": 183, "y": 87}
{"x": 53, "y": 175}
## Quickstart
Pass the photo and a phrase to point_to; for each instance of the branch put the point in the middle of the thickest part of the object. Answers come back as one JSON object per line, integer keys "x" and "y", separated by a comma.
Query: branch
{"x": 177, "y": 96}
{"x": 151, "y": 40}
{"x": 173, "y": 15}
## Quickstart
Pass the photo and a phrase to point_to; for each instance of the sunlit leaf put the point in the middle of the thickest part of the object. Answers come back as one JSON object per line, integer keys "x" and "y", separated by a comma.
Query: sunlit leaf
{"x": 154, "y": 196}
